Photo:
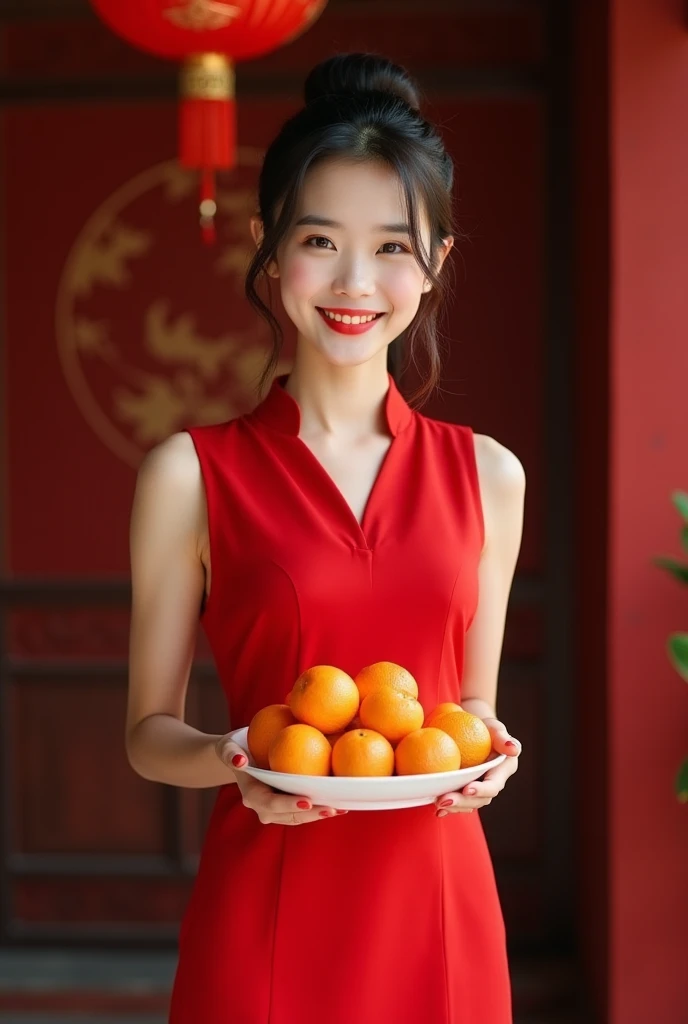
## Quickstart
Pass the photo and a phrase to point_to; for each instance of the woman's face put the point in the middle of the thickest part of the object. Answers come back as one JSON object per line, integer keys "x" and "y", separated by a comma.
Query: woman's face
{"x": 348, "y": 277}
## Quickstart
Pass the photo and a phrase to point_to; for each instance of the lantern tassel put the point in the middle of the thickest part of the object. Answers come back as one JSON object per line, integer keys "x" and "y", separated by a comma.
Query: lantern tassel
{"x": 207, "y": 127}
{"x": 206, "y": 133}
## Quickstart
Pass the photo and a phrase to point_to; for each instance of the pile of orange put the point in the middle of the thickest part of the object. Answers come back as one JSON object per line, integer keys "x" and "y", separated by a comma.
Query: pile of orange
{"x": 373, "y": 724}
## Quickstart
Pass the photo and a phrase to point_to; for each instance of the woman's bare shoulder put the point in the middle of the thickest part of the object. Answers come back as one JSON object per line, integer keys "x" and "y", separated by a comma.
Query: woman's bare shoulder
{"x": 173, "y": 458}
{"x": 498, "y": 468}
{"x": 502, "y": 481}
{"x": 169, "y": 478}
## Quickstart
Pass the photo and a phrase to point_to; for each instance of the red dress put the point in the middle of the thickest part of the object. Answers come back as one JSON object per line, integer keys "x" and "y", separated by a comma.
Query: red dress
{"x": 371, "y": 917}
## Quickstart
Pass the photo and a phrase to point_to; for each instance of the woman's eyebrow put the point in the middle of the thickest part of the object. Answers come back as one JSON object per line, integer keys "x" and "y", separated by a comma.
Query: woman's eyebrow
{"x": 317, "y": 222}
{"x": 312, "y": 220}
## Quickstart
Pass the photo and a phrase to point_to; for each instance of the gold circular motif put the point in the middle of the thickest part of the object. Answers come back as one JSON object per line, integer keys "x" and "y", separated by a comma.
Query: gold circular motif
{"x": 153, "y": 330}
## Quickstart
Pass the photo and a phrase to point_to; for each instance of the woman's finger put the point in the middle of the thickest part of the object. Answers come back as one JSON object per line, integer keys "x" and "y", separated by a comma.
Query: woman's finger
{"x": 281, "y": 808}
{"x": 476, "y": 794}
{"x": 231, "y": 753}
{"x": 502, "y": 741}
{"x": 458, "y": 802}
{"x": 500, "y": 774}
{"x": 472, "y": 797}
{"x": 284, "y": 803}
{"x": 302, "y": 818}
{"x": 270, "y": 806}
{"x": 483, "y": 790}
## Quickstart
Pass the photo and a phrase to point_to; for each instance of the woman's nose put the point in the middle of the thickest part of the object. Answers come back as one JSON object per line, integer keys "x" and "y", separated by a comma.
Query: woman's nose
{"x": 354, "y": 277}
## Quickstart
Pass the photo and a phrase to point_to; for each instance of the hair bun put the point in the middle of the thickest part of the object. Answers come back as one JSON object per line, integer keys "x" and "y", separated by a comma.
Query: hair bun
{"x": 351, "y": 73}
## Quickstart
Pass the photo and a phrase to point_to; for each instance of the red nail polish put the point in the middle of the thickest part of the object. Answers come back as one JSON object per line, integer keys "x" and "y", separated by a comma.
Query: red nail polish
{"x": 304, "y": 805}
{"x": 447, "y": 803}
{"x": 342, "y": 812}
{"x": 508, "y": 743}
{"x": 239, "y": 760}
{"x": 324, "y": 814}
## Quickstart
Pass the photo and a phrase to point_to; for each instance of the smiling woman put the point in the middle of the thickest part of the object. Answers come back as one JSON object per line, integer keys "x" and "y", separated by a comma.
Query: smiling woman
{"x": 344, "y": 529}
{"x": 362, "y": 277}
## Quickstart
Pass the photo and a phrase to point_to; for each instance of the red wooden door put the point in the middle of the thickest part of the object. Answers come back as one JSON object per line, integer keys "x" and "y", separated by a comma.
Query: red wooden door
{"x": 120, "y": 326}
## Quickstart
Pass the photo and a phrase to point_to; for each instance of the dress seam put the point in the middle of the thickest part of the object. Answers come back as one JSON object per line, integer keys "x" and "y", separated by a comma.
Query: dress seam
{"x": 443, "y": 638}
{"x": 444, "y": 933}
{"x": 276, "y": 920}
{"x": 284, "y": 827}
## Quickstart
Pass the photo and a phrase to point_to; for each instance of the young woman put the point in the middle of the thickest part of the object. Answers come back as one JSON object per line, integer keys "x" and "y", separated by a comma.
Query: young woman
{"x": 335, "y": 524}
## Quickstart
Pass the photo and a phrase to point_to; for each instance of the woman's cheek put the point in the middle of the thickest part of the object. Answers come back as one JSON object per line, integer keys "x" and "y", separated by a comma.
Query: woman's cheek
{"x": 300, "y": 277}
{"x": 404, "y": 287}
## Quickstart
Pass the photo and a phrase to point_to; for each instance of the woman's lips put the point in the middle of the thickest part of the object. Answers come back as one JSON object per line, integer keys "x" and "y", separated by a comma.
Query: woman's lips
{"x": 341, "y": 328}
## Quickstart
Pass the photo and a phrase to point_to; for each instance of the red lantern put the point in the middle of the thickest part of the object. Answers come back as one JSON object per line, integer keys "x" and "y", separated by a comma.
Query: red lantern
{"x": 208, "y": 35}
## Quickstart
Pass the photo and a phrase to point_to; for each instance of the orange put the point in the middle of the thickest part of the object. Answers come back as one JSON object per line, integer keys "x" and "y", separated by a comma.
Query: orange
{"x": 470, "y": 734}
{"x": 427, "y": 750}
{"x": 385, "y": 673}
{"x": 362, "y": 752}
{"x": 300, "y": 750}
{"x": 324, "y": 697}
{"x": 441, "y": 709}
{"x": 264, "y": 727}
{"x": 392, "y": 713}
{"x": 287, "y": 699}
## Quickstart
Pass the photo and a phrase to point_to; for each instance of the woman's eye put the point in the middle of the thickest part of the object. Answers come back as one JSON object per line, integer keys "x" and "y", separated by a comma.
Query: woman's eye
{"x": 319, "y": 242}
{"x": 388, "y": 248}
{"x": 393, "y": 248}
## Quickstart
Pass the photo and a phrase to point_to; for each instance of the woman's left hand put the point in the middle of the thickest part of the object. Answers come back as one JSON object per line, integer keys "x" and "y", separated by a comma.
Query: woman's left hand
{"x": 480, "y": 794}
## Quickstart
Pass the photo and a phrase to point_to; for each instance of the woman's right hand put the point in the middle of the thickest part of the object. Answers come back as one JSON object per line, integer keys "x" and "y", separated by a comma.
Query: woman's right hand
{"x": 272, "y": 808}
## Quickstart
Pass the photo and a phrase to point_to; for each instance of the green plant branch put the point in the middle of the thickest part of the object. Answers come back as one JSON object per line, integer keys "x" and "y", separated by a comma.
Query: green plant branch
{"x": 677, "y": 643}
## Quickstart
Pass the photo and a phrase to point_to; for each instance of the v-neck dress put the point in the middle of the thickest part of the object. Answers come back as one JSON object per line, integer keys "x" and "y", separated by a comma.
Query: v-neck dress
{"x": 371, "y": 917}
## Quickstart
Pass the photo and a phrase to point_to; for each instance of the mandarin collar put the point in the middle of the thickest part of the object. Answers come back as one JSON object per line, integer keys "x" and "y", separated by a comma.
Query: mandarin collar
{"x": 281, "y": 411}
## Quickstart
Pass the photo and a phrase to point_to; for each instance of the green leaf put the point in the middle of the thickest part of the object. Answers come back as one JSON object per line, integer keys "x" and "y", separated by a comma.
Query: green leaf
{"x": 681, "y": 783}
{"x": 680, "y": 500}
{"x": 677, "y": 569}
{"x": 678, "y": 652}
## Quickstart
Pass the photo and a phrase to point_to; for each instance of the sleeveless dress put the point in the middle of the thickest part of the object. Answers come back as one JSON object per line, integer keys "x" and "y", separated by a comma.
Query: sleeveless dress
{"x": 370, "y": 917}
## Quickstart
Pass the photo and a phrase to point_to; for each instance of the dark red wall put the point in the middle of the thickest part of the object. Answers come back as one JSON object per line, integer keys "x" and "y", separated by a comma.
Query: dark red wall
{"x": 631, "y": 307}
{"x": 647, "y": 450}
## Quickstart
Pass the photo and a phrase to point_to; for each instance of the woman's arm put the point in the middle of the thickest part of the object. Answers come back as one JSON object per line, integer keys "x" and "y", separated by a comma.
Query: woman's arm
{"x": 167, "y": 588}
{"x": 502, "y": 486}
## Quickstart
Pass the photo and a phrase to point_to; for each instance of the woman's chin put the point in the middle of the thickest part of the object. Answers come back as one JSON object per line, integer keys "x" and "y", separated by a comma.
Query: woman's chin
{"x": 350, "y": 351}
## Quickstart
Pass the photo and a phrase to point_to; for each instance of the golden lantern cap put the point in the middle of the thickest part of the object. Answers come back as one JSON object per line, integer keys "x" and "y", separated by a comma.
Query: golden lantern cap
{"x": 207, "y": 76}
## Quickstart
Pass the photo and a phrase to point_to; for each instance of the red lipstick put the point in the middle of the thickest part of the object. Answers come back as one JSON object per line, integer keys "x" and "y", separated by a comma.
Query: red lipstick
{"x": 348, "y": 328}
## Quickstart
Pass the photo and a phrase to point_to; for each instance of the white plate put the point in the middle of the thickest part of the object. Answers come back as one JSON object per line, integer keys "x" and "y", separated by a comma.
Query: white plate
{"x": 366, "y": 794}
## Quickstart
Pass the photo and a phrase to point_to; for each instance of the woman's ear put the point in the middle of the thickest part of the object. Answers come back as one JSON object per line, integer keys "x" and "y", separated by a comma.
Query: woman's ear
{"x": 442, "y": 253}
{"x": 257, "y": 232}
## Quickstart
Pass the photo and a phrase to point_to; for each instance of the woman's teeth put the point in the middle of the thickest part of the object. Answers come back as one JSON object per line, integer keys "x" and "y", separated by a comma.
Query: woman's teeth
{"x": 346, "y": 319}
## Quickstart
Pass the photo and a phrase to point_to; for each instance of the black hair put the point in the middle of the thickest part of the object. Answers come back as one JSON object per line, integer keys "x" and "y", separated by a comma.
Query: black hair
{"x": 363, "y": 107}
